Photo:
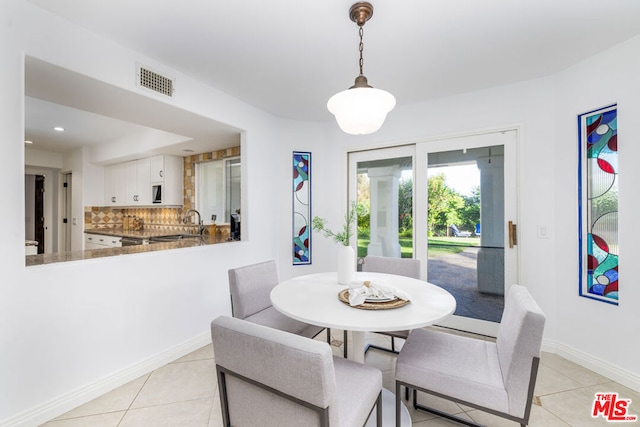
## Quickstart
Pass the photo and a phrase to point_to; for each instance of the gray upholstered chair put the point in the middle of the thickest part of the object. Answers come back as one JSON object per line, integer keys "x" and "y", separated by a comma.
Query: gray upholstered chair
{"x": 496, "y": 377}
{"x": 401, "y": 266}
{"x": 268, "y": 377}
{"x": 250, "y": 287}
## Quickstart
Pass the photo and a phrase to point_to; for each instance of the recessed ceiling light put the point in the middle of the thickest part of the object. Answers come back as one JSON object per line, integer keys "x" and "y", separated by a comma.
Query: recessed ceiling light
{"x": 28, "y": 142}
{"x": 188, "y": 150}
{"x": 59, "y": 128}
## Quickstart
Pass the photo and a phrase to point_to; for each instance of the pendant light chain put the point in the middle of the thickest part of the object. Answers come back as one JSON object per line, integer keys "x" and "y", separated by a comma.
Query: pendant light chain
{"x": 361, "y": 47}
{"x": 361, "y": 109}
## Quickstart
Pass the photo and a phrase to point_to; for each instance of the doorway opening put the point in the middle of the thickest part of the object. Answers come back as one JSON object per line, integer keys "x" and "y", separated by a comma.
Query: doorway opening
{"x": 68, "y": 213}
{"x": 34, "y": 210}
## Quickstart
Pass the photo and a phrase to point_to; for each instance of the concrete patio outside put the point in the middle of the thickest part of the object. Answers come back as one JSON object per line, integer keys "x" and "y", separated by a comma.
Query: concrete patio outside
{"x": 457, "y": 273}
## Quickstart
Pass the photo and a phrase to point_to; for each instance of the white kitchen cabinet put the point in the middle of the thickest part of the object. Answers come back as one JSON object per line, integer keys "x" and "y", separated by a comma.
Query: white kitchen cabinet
{"x": 99, "y": 241}
{"x": 135, "y": 183}
{"x": 167, "y": 172}
{"x": 115, "y": 185}
{"x": 157, "y": 169}
{"x": 138, "y": 182}
{"x": 143, "y": 181}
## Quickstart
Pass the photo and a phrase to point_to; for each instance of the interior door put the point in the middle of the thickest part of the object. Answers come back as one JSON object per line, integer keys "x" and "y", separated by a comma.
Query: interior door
{"x": 466, "y": 223}
{"x": 68, "y": 212}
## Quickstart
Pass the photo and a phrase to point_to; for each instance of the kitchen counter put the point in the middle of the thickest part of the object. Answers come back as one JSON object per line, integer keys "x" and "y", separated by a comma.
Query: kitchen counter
{"x": 108, "y": 252}
{"x": 43, "y": 259}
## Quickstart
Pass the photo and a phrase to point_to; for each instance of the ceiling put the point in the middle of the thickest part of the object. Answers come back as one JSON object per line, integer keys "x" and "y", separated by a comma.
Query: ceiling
{"x": 94, "y": 113}
{"x": 288, "y": 57}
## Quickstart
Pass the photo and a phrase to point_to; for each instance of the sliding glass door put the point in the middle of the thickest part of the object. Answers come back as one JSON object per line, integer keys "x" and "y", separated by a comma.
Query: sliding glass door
{"x": 466, "y": 191}
{"x": 452, "y": 204}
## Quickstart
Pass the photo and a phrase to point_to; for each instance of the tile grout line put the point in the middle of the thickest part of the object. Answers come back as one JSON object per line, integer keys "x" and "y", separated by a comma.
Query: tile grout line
{"x": 134, "y": 398}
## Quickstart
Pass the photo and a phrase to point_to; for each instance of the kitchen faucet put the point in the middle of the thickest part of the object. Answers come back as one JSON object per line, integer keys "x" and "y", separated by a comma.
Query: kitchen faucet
{"x": 200, "y": 225}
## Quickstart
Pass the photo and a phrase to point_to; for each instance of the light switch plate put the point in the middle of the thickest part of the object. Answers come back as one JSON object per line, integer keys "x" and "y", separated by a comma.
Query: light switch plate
{"x": 543, "y": 232}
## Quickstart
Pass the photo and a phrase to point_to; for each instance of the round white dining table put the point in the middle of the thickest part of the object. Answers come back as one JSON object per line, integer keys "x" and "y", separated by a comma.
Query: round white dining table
{"x": 314, "y": 299}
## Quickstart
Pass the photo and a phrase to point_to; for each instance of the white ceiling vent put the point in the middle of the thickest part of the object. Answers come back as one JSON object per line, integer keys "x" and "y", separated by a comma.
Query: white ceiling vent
{"x": 156, "y": 82}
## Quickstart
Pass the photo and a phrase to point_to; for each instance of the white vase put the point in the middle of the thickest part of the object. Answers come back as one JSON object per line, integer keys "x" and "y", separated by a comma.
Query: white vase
{"x": 346, "y": 264}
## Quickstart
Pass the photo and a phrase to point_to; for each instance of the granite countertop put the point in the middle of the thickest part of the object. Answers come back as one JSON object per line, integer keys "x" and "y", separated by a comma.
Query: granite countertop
{"x": 44, "y": 259}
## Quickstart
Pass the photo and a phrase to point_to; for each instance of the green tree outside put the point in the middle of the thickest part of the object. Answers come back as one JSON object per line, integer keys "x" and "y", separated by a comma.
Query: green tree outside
{"x": 405, "y": 207}
{"x": 443, "y": 207}
{"x": 470, "y": 213}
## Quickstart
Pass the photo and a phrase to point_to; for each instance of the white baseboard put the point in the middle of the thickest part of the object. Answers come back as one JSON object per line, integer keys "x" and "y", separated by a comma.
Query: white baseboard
{"x": 58, "y": 406}
{"x": 599, "y": 366}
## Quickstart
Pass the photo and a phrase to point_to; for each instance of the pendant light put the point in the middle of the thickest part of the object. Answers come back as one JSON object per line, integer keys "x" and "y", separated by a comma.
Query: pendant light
{"x": 361, "y": 109}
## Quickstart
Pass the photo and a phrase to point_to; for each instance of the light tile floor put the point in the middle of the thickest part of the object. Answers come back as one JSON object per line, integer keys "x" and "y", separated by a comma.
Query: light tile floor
{"x": 184, "y": 393}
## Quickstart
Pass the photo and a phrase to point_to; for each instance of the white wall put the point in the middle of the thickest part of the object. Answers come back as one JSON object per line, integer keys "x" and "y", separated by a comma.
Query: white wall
{"x": 606, "y": 333}
{"x": 74, "y": 162}
{"x": 328, "y": 197}
{"x": 41, "y": 158}
{"x": 71, "y": 331}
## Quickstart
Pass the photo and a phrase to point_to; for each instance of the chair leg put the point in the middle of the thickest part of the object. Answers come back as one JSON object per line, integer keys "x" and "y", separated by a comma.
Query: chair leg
{"x": 379, "y": 411}
{"x": 398, "y": 405}
{"x": 391, "y": 350}
{"x": 440, "y": 413}
{"x": 345, "y": 340}
{"x": 345, "y": 344}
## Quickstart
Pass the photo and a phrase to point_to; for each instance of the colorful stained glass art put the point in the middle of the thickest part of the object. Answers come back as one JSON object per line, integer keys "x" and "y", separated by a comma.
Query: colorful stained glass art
{"x": 598, "y": 201}
{"x": 301, "y": 208}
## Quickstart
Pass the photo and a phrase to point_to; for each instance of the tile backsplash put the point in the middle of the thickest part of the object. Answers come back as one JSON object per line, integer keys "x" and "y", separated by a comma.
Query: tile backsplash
{"x": 152, "y": 218}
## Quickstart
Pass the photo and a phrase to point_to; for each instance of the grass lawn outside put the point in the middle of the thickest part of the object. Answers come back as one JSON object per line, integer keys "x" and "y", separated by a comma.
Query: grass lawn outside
{"x": 450, "y": 245}
{"x": 437, "y": 246}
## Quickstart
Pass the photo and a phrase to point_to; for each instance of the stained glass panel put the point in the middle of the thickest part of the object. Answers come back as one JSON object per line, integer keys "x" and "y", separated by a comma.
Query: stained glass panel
{"x": 598, "y": 201}
{"x": 301, "y": 208}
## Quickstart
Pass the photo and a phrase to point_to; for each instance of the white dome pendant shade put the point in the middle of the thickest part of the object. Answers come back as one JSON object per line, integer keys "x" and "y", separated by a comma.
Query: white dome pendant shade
{"x": 361, "y": 109}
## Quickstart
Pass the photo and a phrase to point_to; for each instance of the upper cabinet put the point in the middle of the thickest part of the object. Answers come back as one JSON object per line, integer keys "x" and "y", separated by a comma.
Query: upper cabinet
{"x": 154, "y": 181}
{"x": 138, "y": 182}
{"x": 167, "y": 180}
{"x": 115, "y": 185}
{"x": 157, "y": 168}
